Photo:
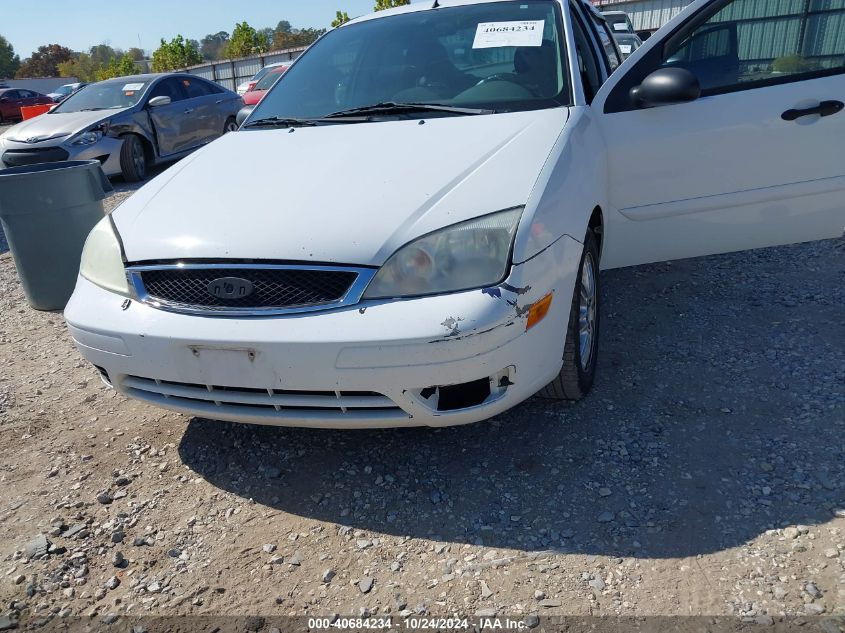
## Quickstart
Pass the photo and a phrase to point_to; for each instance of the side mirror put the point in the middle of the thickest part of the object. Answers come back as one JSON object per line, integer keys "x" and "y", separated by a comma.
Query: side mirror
{"x": 667, "y": 86}
{"x": 4, "y": 99}
{"x": 157, "y": 102}
{"x": 243, "y": 113}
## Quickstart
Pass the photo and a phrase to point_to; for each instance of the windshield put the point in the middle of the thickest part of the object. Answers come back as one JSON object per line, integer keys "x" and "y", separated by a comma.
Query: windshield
{"x": 105, "y": 95}
{"x": 502, "y": 56}
{"x": 64, "y": 90}
{"x": 268, "y": 80}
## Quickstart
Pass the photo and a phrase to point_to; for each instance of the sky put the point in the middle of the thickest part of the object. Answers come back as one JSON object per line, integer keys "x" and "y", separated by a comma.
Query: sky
{"x": 80, "y": 24}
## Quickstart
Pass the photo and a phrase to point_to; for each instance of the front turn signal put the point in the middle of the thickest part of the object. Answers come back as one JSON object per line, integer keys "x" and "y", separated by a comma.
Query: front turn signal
{"x": 538, "y": 311}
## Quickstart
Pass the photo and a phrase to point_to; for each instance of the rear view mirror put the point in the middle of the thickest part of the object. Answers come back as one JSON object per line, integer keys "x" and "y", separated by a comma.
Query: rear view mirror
{"x": 243, "y": 113}
{"x": 667, "y": 86}
{"x": 157, "y": 102}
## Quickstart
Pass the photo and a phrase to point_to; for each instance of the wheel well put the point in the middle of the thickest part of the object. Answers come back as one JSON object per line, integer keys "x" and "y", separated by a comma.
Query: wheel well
{"x": 596, "y": 225}
{"x": 149, "y": 152}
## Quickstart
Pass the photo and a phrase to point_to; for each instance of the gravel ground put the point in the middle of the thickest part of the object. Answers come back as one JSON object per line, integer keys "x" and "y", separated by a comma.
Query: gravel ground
{"x": 704, "y": 475}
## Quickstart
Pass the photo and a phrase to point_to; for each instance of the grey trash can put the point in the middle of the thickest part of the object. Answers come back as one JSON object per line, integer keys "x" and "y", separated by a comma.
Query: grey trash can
{"x": 47, "y": 211}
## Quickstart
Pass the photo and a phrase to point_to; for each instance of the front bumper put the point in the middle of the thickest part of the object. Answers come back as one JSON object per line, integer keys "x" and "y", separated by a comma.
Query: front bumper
{"x": 106, "y": 150}
{"x": 377, "y": 364}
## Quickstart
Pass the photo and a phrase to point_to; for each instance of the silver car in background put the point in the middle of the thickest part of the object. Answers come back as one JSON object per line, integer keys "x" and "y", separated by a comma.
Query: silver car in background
{"x": 628, "y": 43}
{"x": 128, "y": 124}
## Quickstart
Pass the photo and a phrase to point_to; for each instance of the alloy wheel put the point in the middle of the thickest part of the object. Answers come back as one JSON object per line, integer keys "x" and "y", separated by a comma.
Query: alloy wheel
{"x": 588, "y": 307}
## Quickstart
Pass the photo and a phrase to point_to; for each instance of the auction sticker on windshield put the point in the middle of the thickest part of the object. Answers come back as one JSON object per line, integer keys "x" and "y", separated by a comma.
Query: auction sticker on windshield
{"x": 132, "y": 87}
{"x": 501, "y": 34}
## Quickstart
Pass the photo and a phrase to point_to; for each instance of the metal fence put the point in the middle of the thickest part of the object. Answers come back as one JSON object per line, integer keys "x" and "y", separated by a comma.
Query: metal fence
{"x": 646, "y": 15}
{"x": 231, "y": 72}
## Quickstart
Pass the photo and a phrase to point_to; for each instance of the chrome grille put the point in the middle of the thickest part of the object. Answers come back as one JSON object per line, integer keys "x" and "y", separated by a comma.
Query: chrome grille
{"x": 275, "y": 289}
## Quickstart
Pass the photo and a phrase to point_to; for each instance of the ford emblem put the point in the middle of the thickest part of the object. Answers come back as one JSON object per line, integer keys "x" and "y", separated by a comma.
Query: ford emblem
{"x": 230, "y": 288}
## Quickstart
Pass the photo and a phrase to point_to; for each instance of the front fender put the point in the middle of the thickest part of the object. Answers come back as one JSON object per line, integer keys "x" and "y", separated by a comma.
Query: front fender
{"x": 572, "y": 183}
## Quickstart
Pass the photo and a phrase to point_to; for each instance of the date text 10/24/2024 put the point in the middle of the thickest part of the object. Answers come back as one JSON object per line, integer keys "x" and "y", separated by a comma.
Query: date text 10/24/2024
{"x": 419, "y": 623}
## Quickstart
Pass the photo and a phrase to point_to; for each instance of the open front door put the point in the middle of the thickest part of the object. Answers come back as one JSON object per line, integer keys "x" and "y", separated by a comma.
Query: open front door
{"x": 757, "y": 160}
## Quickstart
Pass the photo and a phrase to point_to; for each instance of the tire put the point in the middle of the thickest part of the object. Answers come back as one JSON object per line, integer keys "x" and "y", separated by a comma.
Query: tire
{"x": 580, "y": 357}
{"x": 231, "y": 125}
{"x": 133, "y": 159}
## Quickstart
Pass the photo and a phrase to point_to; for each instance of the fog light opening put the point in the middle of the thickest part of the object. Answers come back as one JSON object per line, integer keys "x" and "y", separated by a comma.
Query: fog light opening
{"x": 467, "y": 395}
{"x": 104, "y": 375}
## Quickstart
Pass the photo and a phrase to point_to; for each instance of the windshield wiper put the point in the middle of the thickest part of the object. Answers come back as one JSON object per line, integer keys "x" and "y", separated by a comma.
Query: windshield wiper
{"x": 391, "y": 107}
{"x": 278, "y": 121}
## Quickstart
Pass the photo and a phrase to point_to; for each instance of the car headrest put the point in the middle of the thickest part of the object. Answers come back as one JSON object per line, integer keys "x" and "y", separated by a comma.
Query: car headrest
{"x": 535, "y": 60}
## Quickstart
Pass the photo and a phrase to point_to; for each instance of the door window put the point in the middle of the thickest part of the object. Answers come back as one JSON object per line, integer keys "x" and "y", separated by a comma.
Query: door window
{"x": 196, "y": 88}
{"x": 588, "y": 63}
{"x": 168, "y": 88}
{"x": 746, "y": 43}
{"x": 607, "y": 42}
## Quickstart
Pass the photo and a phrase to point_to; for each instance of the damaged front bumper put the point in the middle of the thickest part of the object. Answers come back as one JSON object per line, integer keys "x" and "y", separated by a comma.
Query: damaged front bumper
{"x": 433, "y": 361}
{"x": 106, "y": 150}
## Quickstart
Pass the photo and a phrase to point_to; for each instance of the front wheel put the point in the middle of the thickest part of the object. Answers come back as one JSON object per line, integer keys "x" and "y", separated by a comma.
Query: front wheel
{"x": 580, "y": 352}
{"x": 133, "y": 159}
{"x": 230, "y": 126}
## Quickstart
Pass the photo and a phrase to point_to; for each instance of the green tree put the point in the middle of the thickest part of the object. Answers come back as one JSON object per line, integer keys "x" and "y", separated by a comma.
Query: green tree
{"x": 213, "y": 45}
{"x": 381, "y": 5}
{"x": 283, "y": 27}
{"x": 121, "y": 67}
{"x": 81, "y": 66}
{"x": 341, "y": 19}
{"x": 102, "y": 54}
{"x": 245, "y": 41}
{"x": 296, "y": 38}
{"x": 137, "y": 54}
{"x": 175, "y": 54}
{"x": 266, "y": 37}
{"x": 45, "y": 61}
{"x": 9, "y": 62}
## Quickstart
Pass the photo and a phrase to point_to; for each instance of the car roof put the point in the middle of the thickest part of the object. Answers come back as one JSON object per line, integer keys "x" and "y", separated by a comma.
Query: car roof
{"x": 148, "y": 77}
{"x": 428, "y": 5}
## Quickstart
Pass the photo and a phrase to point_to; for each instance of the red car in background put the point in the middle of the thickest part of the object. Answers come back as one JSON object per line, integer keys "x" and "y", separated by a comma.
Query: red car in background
{"x": 12, "y": 99}
{"x": 264, "y": 84}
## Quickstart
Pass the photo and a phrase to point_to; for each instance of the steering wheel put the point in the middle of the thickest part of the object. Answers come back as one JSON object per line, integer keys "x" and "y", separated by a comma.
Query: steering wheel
{"x": 498, "y": 77}
{"x": 509, "y": 77}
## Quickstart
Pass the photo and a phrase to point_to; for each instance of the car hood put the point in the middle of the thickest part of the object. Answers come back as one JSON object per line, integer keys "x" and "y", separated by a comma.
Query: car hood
{"x": 56, "y": 125}
{"x": 346, "y": 193}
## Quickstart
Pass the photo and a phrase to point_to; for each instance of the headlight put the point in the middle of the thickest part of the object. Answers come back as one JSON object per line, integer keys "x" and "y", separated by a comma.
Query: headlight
{"x": 87, "y": 138}
{"x": 102, "y": 263}
{"x": 472, "y": 254}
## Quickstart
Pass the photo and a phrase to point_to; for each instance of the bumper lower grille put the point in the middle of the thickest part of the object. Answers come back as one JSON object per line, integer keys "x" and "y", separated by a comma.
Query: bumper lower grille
{"x": 34, "y": 156}
{"x": 268, "y": 404}
{"x": 248, "y": 289}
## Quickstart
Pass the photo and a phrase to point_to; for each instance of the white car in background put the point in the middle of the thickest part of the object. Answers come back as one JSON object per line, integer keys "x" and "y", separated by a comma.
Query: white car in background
{"x": 432, "y": 195}
{"x": 63, "y": 92}
{"x": 247, "y": 86}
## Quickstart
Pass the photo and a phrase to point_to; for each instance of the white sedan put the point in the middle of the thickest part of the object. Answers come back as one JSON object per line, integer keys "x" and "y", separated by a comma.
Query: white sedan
{"x": 434, "y": 191}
